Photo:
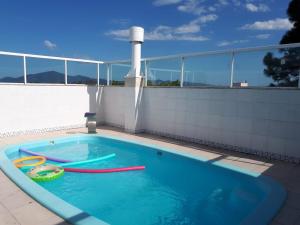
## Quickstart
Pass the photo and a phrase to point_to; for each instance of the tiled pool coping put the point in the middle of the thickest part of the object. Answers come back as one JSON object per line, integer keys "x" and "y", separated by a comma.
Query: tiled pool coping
{"x": 215, "y": 155}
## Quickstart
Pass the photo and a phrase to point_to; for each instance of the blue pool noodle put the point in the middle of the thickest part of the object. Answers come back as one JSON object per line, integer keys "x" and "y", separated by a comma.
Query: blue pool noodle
{"x": 87, "y": 161}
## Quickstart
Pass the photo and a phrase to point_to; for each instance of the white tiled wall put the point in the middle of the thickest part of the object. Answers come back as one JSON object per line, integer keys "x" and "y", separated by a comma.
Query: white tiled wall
{"x": 263, "y": 120}
{"x": 37, "y": 107}
{"x": 114, "y": 100}
{"x": 254, "y": 119}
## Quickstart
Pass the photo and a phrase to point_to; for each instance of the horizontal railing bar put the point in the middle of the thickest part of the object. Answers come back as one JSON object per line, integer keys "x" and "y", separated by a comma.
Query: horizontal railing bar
{"x": 49, "y": 57}
{"x": 219, "y": 52}
{"x": 122, "y": 61}
{"x": 166, "y": 70}
{"x": 122, "y": 65}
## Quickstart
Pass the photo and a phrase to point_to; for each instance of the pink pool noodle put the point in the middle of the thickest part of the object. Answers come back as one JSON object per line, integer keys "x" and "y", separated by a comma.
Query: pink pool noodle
{"x": 111, "y": 170}
{"x": 47, "y": 157}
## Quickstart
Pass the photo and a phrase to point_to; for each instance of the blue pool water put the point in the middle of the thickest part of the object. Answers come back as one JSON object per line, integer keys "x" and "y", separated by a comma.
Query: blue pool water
{"x": 173, "y": 189}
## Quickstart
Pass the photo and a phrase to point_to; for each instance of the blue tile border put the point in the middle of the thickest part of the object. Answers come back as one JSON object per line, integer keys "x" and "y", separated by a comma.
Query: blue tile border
{"x": 39, "y": 131}
{"x": 267, "y": 155}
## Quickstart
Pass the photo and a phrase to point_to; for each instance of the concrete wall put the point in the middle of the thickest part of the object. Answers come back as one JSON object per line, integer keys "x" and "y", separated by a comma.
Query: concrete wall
{"x": 251, "y": 120}
{"x": 263, "y": 120}
{"x": 37, "y": 107}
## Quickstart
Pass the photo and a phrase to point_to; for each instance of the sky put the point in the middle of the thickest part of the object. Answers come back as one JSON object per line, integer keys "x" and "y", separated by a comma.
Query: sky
{"x": 94, "y": 29}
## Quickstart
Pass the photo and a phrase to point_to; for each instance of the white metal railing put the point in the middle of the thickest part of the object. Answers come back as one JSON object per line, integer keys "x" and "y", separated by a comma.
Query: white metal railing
{"x": 64, "y": 59}
{"x": 206, "y": 53}
{"x": 146, "y": 61}
{"x": 183, "y": 57}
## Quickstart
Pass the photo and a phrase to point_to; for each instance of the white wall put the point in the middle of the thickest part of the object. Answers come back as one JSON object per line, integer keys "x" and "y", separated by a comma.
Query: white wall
{"x": 263, "y": 120}
{"x": 119, "y": 107}
{"x": 253, "y": 119}
{"x": 34, "y": 107}
{"x": 114, "y": 99}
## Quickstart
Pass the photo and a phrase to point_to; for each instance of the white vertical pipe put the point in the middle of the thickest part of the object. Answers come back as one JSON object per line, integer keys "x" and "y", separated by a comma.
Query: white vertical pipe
{"x": 232, "y": 69}
{"x": 66, "y": 72}
{"x": 136, "y": 37}
{"x": 25, "y": 69}
{"x": 136, "y": 59}
{"x": 98, "y": 75}
{"x": 182, "y": 72}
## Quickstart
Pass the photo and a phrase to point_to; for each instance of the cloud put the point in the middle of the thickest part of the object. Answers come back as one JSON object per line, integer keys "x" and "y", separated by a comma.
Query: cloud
{"x": 192, "y": 6}
{"x": 257, "y": 8}
{"x": 188, "y": 28}
{"x": 121, "y": 34}
{"x": 162, "y": 33}
{"x": 207, "y": 18}
{"x": 166, "y": 33}
{"x": 194, "y": 25}
{"x": 227, "y": 43}
{"x": 212, "y": 8}
{"x": 165, "y": 2}
{"x": 50, "y": 45}
{"x": 276, "y": 24}
{"x": 223, "y": 2}
{"x": 186, "y": 32}
{"x": 262, "y": 36}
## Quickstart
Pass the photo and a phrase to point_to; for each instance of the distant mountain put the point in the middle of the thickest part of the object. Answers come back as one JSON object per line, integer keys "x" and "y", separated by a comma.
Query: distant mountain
{"x": 52, "y": 77}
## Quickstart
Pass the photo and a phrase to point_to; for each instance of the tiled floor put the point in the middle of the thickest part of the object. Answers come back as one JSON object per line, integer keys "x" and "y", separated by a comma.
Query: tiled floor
{"x": 16, "y": 207}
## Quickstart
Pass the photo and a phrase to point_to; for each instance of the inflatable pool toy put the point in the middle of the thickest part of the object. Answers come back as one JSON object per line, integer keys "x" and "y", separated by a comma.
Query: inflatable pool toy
{"x": 45, "y": 172}
{"x": 111, "y": 170}
{"x": 87, "y": 161}
{"x": 19, "y": 162}
{"x": 47, "y": 157}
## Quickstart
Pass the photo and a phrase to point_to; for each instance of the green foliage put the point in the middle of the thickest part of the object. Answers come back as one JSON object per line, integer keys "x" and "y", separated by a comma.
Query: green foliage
{"x": 293, "y": 35}
{"x": 284, "y": 70}
{"x": 118, "y": 83}
{"x": 164, "y": 83}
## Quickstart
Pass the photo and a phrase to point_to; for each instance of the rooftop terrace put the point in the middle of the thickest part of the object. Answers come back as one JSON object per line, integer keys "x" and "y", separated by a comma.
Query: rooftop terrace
{"x": 219, "y": 104}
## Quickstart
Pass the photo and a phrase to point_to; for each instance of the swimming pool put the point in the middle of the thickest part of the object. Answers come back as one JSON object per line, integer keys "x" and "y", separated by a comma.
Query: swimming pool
{"x": 174, "y": 188}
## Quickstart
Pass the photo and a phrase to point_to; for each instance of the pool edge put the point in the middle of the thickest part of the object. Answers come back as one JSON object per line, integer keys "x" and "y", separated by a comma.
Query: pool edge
{"x": 277, "y": 194}
{"x": 53, "y": 203}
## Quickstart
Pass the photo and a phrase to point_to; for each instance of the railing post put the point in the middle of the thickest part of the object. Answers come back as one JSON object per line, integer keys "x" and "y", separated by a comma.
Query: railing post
{"x": 146, "y": 73}
{"x": 107, "y": 74}
{"x": 111, "y": 73}
{"x": 66, "y": 72}
{"x": 98, "y": 74}
{"x": 232, "y": 69}
{"x": 25, "y": 69}
{"x": 182, "y": 72}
